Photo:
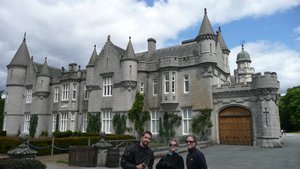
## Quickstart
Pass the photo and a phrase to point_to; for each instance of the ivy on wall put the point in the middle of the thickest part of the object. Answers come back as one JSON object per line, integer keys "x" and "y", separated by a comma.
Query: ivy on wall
{"x": 119, "y": 123}
{"x": 94, "y": 122}
{"x": 202, "y": 122}
{"x": 170, "y": 122}
{"x": 33, "y": 125}
{"x": 136, "y": 114}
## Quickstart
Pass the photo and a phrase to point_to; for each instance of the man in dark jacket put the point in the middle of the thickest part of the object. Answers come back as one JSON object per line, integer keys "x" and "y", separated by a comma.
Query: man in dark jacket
{"x": 139, "y": 155}
{"x": 195, "y": 159}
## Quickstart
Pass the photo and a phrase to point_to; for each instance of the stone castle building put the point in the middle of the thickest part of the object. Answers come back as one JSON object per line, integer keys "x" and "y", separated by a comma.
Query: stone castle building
{"x": 182, "y": 79}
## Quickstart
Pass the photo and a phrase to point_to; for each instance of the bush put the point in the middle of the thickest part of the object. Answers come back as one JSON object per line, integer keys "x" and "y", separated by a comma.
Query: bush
{"x": 9, "y": 143}
{"x": 21, "y": 164}
{"x": 2, "y": 133}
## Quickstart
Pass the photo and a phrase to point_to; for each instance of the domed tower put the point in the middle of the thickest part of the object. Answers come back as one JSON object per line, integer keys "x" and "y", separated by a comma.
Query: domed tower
{"x": 244, "y": 71}
{"x": 206, "y": 39}
{"x": 129, "y": 67}
{"x": 16, "y": 92}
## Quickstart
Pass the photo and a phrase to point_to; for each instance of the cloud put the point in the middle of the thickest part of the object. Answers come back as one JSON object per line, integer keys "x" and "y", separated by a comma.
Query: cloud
{"x": 66, "y": 31}
{"x": 273, "y": 57}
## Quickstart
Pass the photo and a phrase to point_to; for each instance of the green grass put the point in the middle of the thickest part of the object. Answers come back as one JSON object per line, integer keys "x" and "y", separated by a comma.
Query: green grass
{"x": 62, "y": 161}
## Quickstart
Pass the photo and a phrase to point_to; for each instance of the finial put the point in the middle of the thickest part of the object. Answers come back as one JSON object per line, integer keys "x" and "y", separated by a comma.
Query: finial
{"x": 45, "y": 59}
{"x": 129, "y": 37}
{"x": 31, "y": 57}
{"x": 94, "y": 45}
{"x": 205, "y": 12}
{"x": 242, "y": 44}
{"x": 108, "y": 37}
{"x": 219, "y": 28}
{"x": 24, "y": 39}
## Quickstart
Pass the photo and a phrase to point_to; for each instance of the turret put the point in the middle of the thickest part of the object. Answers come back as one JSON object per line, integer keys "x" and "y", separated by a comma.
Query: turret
{"x": 206, "y": 40}
{"x": 129, "y": 64}
{"x": 90, "y": 67}
{"x": 244, "y": 71}
{"x": 43, "y": 80}
{"x": 225, "y": 50}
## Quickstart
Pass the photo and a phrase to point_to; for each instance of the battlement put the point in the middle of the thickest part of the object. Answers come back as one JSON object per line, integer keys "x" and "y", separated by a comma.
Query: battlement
{"x": 268, "y": 80}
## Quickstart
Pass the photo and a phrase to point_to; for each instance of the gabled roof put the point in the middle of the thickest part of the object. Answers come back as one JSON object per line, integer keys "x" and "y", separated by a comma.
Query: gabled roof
{"x": 22, "y": 57}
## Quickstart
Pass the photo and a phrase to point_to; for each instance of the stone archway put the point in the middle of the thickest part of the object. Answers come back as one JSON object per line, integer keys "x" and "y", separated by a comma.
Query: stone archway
{"x": 235, "y": 126}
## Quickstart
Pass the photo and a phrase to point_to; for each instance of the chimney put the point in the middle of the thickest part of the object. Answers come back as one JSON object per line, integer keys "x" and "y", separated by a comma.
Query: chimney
{"x": 151, "y": 45}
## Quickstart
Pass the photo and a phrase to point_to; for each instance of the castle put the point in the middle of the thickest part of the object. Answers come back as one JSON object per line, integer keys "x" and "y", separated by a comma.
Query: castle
{"x": 183, "y": 80}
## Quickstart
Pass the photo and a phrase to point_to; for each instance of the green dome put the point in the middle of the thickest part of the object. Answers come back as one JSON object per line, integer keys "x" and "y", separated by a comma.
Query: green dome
{"x": 243, "y": 56}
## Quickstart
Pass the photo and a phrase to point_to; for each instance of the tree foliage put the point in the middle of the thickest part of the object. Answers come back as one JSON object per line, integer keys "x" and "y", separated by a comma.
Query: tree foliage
{"x": 137, "y": 115}
{"x": 119, "y": 123}
{"x": 289, "y": 110}
{"x": 170, "y": 122}
{"x": 94, "y": 123}
{"x": 201, "y": 123}
{"x": 2, "y": 102}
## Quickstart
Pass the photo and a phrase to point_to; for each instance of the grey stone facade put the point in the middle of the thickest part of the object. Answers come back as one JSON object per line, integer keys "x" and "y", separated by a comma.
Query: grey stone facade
{"x": 182, "y": 79}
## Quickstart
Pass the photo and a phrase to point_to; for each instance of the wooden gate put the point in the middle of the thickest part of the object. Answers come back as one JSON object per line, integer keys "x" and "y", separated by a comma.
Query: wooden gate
{"x": 235, "y": 126}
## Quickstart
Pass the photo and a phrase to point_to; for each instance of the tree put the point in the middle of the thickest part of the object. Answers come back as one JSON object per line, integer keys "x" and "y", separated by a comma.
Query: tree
{"x": 2, "y": 102}
{"x": 289, "y": 110}
{"x": 33, "y": 125}
{"x": 137, "y": 115}
{"x": 201, "y": 123}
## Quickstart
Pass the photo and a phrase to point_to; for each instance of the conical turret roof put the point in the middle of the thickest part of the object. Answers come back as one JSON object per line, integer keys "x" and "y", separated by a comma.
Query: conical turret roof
{"x": 22, "y": 57}
{"x": 93, "y": 57}
{"x": 206, "y": 27}
{"x": 222, "y": 42}
{"x": 45, "y": 69}
{"x": 129, "y": 50}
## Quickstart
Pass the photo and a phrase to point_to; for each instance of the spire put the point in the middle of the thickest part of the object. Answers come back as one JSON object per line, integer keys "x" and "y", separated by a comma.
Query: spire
{"x": 22, "y": 56}
{"x": 222, "y": 42}
{"x": 45, "y": 69}
{"x": 93, "y": 57}
{"x": 129, "y": 50}
{"x": 206, "y": 27}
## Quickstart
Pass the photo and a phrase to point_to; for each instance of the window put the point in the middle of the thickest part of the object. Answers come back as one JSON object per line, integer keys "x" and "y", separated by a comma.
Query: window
{"x": 56, "y": 94}
{"x": 154, "y": 88}
{"x": 186, "y": 121}
{"x": 84, "y": 121}
{"x": 72, "y": 123}
{"x": 186, "y": 86}
{"x": 54, "y": 122}
{"x": 166, "y": 82}
{"x": 107, "y": 86}
{"x": 63, "y": 122}
{"x": 74, "y": 92}
{"x": 154, "y": 122}
{"x": 173, "y": 82}
{"x": 86, "y": 93}
{"x": 65, "y": 92}
{"x": 106, "y": 121}
{"x": 26, "y": 122}
{"x": 142, "y": 87}
{"x": 29, "y": 96}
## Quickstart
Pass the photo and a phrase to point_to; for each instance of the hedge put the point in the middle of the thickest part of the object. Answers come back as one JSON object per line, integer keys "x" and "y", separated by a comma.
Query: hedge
{"x": 21, "y": 164}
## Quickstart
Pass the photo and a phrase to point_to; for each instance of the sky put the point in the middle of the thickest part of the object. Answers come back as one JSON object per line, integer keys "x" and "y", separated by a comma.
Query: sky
{"x": 65, "y": 31}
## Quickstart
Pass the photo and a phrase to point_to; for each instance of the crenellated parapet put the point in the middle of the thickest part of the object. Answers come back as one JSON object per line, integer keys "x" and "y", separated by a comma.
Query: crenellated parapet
{"x": 267, "y": 80}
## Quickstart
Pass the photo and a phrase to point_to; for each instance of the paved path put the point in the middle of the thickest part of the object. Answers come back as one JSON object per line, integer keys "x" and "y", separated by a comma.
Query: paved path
{"x": 239, "y": 157}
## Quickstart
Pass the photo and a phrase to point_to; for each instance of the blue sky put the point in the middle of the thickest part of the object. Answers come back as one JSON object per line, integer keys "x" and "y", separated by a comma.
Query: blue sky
{"x": 66, "y": 31}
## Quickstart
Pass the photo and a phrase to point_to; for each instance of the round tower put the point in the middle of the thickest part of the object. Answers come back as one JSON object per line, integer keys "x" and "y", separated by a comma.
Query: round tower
{"x": 43, "y": 80}
{"x": 129, "y": 65}
{"x": 16, "y": 92}
{"x": 206, "y": 38}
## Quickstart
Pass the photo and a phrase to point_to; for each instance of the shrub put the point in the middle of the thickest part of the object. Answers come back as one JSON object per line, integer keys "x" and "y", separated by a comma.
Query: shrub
{"x": 21, "y": 164}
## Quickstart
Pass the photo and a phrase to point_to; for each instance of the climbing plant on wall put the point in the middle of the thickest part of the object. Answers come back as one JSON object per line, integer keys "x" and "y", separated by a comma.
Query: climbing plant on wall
{"x": 119, "y": 123}
{"x": 170, "y": 122}
{"x": 94, "y": 123}
{"x": 33, "y": 125}
{"x": 202, "y": 122}
{"x": 137, "y": 115}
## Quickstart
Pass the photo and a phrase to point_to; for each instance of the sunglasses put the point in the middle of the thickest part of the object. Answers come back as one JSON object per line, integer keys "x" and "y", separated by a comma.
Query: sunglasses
{"x": 173, "y": 145}
{"x": 190, "y": 141}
